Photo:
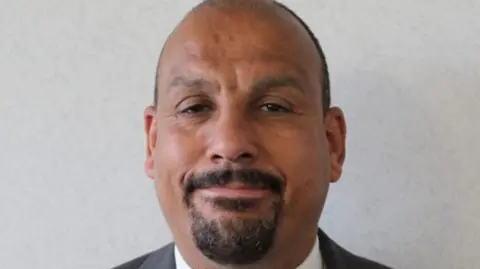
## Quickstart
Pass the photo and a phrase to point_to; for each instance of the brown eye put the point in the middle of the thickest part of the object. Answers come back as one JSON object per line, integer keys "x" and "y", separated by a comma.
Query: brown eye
{"x": 196, "y": 109}
{"x": 274, "y": 108}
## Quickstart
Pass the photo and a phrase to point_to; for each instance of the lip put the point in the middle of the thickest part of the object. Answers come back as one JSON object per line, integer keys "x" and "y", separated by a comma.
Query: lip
{"x": 234, "y": 193}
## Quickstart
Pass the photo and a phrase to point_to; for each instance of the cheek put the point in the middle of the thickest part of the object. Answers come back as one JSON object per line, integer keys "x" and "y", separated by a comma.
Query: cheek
{"x": 302, "y": 156}
{"x": 176, "y": 151}
{"x": 306, "y": 170}
{"x": 175, "y": 155}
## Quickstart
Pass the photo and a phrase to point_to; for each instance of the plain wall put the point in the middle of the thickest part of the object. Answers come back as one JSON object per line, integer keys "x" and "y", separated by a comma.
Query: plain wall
{"x": 75, "y": 77}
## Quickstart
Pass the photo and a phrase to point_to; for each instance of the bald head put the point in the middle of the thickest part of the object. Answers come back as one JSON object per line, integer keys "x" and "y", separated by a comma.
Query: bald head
{"x": 270, "y": 9}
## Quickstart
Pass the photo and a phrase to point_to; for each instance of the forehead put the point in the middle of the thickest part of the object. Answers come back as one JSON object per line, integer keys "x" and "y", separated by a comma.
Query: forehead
{"x": 214, "y": 39}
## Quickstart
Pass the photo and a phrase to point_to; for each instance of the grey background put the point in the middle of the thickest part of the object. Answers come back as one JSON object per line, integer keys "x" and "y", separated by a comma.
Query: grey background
{"x": 75, "y": 77}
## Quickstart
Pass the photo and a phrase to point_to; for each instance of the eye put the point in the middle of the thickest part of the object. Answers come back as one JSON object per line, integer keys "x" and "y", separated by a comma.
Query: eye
{"x": 196, "y": 109}
{"x": 274, "y": 108}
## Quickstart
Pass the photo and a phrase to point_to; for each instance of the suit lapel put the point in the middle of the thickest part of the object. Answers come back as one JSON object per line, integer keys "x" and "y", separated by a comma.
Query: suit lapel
{"x": 331, "y": 252}
{"x": 161, "y": 259}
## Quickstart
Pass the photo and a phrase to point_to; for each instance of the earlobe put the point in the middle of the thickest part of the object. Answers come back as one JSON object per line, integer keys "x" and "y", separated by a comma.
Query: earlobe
{"x": 336, "y": 134}
{"x": 151, "y": 140}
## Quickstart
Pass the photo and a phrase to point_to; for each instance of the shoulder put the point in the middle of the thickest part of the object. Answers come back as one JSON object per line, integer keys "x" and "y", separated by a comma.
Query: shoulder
{"x": 354, "y": 261}
{"x": 133, "y": 264}
{"x": 138, "y": 262}
{"x": 337, "y": 257}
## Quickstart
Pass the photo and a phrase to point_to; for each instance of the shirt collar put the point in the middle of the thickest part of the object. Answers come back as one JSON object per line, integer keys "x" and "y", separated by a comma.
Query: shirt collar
{"x": 180, "y": 263}
{"x": 313, "y": 260}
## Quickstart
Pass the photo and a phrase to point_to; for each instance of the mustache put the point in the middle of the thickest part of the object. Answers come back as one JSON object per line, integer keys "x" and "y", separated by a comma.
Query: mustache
{"x": 250, "y": 178}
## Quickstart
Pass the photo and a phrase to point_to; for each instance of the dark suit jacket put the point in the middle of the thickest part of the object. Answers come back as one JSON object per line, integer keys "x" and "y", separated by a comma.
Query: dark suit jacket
{"x": 334, "y": 256}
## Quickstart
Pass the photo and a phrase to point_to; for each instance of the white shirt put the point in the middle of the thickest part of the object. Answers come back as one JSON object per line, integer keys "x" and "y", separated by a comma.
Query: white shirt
{"x": 313, "y": 260}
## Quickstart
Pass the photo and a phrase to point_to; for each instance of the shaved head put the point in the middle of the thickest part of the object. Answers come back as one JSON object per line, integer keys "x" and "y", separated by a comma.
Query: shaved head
{"x": 265, "y": 6}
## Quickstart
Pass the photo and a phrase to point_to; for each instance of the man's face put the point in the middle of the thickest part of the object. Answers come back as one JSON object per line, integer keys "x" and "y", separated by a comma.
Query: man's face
{"x": 238, "y": 145}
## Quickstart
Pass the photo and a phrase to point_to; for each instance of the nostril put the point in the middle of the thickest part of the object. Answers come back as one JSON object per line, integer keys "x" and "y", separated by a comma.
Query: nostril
{"x": 241, "y": 157}
{"x": 216, "y": 157}
{"x": 244, "y": 155}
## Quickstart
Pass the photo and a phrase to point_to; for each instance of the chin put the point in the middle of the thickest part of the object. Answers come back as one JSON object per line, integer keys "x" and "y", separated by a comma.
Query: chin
{"x": 234, "y": 238}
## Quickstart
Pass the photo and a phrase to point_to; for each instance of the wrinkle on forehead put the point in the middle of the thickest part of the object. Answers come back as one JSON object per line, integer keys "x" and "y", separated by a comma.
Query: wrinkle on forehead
{"x": 195, "y": 61}
{"x": 224, "y": 35}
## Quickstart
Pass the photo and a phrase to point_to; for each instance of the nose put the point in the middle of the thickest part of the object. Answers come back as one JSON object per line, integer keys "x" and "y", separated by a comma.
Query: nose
{"x": 232, "y": 141}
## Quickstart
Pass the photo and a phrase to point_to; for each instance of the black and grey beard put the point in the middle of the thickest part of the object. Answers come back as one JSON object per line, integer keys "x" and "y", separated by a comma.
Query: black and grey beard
{"x": 234, "y": 240}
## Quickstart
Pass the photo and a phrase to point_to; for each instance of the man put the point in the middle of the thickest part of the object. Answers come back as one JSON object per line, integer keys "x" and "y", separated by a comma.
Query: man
{"x": 242, "y": 143}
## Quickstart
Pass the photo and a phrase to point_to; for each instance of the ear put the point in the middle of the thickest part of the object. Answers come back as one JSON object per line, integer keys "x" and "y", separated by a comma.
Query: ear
{"x": 151, "y": 139}
{"x": 336, "y": 131}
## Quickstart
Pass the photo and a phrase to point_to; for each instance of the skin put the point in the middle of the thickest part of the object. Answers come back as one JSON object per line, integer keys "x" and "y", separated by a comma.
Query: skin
{"x": 250, "y": 81}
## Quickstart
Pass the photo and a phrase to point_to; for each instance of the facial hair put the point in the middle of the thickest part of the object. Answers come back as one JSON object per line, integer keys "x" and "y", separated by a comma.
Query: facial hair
{"x": 234, "y": 240}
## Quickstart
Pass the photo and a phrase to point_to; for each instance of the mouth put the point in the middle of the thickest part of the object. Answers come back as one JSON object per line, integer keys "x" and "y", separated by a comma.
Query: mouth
{"x": 235, "y": 190}
{"x": 236, "y": 198}
{"x": 234, "y": 193}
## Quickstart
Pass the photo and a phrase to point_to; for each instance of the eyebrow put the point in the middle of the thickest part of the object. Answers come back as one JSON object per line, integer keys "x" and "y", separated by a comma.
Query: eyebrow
{"x": 270, "y": 82}
{"x": 260, "y": 86}
{"x": 192, "y": 83}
